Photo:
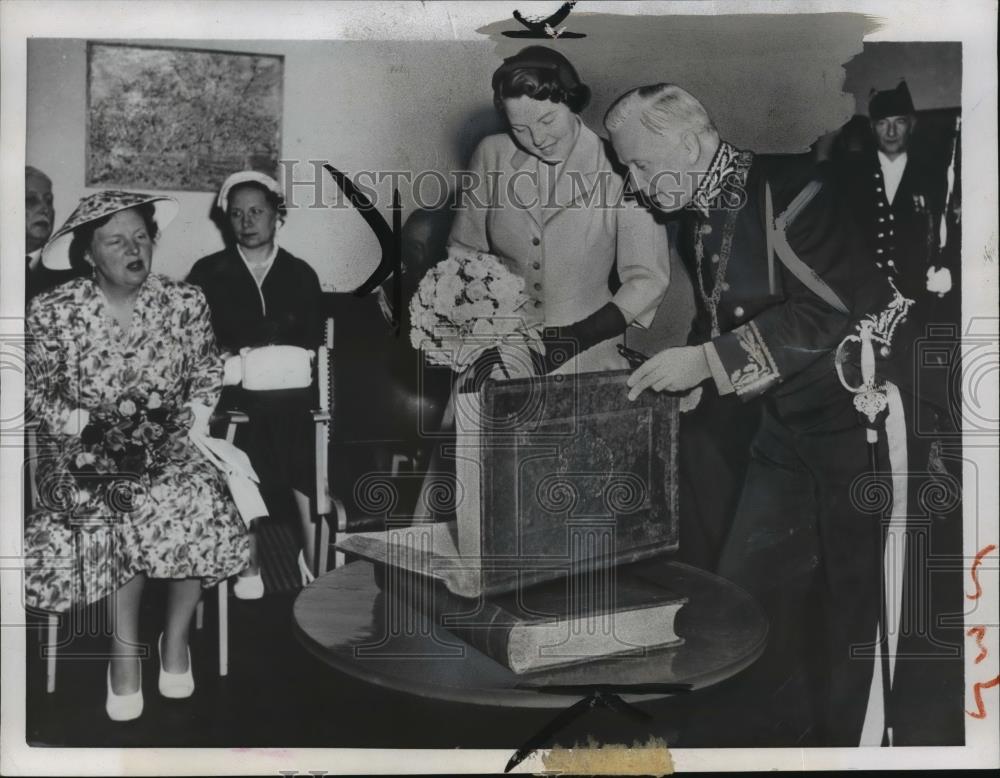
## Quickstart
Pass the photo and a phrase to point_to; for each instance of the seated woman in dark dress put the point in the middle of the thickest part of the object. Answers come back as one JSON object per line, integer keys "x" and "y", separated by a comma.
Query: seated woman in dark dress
{"x": 261, "y": 295}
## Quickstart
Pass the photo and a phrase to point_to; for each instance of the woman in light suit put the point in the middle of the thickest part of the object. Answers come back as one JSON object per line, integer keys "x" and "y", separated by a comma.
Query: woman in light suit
{"x": 546, "y": 200}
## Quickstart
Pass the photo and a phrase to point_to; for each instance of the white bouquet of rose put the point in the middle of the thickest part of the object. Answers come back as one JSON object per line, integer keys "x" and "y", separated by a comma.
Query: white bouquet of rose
{"x": 467, "y": 304}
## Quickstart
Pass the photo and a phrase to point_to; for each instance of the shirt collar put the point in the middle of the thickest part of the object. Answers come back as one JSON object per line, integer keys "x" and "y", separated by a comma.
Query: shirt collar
{"x": 267, "y": 265}
{"x": 722, "y": 166}
{"x": 885, "y": 162}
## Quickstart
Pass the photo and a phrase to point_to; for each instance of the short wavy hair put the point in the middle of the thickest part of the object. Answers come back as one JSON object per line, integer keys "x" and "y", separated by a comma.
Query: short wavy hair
{"x": 664, "y": 109}
{"x": 540, "y": 73}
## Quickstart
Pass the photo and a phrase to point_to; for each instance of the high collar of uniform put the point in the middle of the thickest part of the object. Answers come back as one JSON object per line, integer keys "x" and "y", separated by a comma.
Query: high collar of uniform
{"x": 723, "y": 165}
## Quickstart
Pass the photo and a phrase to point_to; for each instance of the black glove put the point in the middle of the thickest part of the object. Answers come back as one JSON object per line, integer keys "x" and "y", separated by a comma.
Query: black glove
{"x": 564, "y": 343}
{"x": 480, "y": 370}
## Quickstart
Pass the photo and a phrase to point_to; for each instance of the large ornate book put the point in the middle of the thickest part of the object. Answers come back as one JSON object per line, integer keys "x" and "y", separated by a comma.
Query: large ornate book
{"x": 579, "y": 618}
{"x": 554, "y": 476}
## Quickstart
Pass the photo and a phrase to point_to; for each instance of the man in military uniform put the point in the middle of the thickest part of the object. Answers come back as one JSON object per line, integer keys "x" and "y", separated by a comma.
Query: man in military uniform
{"x": 898, "y": 196}
{"x": 781, "y": 282}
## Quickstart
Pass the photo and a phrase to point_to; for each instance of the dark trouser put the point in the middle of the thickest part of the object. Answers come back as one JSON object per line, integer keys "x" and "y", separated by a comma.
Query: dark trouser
{"x": 811, "y": 557}
{"x": 714, "y": 451}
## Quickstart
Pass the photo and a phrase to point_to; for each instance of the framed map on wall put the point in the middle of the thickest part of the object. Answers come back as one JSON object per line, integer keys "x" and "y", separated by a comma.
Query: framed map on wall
{"x": 180, "y": 119}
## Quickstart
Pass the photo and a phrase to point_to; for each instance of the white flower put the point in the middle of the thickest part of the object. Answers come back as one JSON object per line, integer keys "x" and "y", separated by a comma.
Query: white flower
{"x": 449, "y": 267}
{"x": 155, "y": 401}
{"x": 461, "y": 314}
{"x": 449, "y": 287}
{"x": 476, "y": 269}
{"x": 425, "y": 292}
{"x": 126, "y": 408}
{"x": 482, "y": 309}
{"x": 476, "y": 291}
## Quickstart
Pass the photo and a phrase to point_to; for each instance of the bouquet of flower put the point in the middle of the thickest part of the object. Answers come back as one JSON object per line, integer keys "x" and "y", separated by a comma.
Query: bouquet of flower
{"x": 121, "y": 446}
{"x": 467, "y": 304}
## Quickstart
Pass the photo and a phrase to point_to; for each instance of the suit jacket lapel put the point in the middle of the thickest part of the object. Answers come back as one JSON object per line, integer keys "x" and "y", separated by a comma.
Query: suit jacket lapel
{"x": 577, "y": 177}
{"x": 523, "y": 188}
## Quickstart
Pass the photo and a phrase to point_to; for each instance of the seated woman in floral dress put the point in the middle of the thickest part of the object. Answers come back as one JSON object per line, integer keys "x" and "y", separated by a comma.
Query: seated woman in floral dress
{"x": 121, "y": 365}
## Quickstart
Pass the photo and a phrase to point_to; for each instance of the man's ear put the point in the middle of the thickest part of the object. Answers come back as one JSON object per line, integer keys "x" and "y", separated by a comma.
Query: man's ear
{"x": 692, "y": 146}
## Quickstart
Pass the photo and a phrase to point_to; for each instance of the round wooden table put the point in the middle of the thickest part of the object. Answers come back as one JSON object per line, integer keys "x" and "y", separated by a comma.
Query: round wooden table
{"x": 345, "y": 620}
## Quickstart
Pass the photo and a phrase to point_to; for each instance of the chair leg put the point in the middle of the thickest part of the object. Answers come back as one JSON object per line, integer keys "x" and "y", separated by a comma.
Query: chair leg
{"x": 223, "y": 628}
{"x": 199, "y": 614}
{"x": 52, "y": 638}
{"x": 322, "y": 545}
{"x": 340, "y": 528}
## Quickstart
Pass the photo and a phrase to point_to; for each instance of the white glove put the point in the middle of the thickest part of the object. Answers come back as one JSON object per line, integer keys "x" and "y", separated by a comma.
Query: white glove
{"x": 78, "y": 419}
{"x": 232, "y": 371}
{"x": 277, "y": 367}
{"x": 939, "y": 280}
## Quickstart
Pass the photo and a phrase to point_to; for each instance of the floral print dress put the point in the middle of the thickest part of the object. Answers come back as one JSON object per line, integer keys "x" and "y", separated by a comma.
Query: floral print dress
{"x": 184, "y": 525}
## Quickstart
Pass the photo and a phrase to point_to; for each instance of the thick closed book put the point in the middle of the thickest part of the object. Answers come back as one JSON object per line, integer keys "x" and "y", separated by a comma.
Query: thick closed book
{"x": 552, "y": 473}
{"x": 585, "y": 617}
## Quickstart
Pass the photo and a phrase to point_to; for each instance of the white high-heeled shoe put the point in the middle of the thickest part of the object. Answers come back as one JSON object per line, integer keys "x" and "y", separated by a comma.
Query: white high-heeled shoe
{"x": 304, "y": 571}
{"x": 124, "y": 707}
{"x": 249, "y": 587}
{"x": 176, "y": 686}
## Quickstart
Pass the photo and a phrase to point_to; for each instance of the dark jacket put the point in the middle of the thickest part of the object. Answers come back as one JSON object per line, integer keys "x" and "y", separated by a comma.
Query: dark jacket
{"x": 780, "y": 344}
{"x": 285, "y": 311}
{"x": 902, "y": 237}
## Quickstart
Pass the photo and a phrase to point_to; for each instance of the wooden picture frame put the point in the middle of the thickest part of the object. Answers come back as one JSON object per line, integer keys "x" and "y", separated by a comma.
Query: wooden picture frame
{"x": 180, "y": 119}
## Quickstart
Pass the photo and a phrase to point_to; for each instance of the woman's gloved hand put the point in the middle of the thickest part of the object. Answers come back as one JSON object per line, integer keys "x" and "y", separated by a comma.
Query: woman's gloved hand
{"x": 232, "y": 371}
{"x": 564, "y": 343}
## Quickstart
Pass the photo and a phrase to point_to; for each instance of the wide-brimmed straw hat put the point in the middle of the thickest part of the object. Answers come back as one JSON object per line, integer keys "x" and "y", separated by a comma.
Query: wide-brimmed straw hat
{"x": 55, "y": 255}
{"x": 246, "y": 176}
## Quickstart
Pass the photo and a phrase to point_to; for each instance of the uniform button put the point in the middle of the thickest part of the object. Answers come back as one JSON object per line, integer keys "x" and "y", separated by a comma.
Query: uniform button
{"x": 875, "y": 175}
{"x": 715, "y": 258}
{"x": 535, "y": 241}
{"x": 536, "y": 265}
{"x": 725, "y": 286}
{"x": 881, "y": 219}
{"x": 878, "y": 264}
{"x": 892, "y": 217}
{"x": 879, "y": 251}
{"x": 882, "y": 205}
{"x": 892, "y": 232}
{"x": 738, "y": 311}
{"x": 538, "y": 287}
{"x": 891, "y": 263}
{"x": 878, "y": 189}
{"x": 881, "y": 234}
{"x": 885, "y": 351}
